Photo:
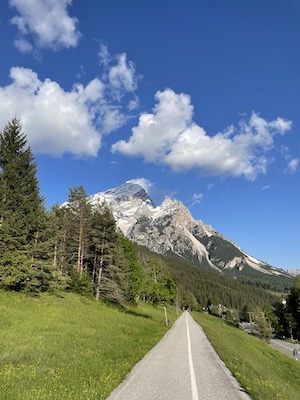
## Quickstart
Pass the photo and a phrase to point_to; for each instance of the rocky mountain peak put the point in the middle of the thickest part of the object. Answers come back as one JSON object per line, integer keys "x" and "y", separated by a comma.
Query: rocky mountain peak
{"x": 128, "y": 191}
{"x": 171, "y": 228}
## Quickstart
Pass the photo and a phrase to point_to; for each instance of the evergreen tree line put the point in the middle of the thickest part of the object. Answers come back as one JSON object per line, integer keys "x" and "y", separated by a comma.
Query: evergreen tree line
{"x": 285, "y": 315}
{"x": 75, "y": 247}
{"x": 199, "y": 288}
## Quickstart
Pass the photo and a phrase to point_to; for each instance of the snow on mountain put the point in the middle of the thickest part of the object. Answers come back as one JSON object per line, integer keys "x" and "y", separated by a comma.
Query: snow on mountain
{"x": 171, "y": 229}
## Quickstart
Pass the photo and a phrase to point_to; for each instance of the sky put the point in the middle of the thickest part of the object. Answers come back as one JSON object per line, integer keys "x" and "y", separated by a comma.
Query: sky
{"x": 197, "y": 100}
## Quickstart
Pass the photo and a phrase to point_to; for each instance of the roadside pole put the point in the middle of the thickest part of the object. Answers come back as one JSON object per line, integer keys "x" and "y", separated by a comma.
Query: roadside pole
{"x": 166, "y": 315}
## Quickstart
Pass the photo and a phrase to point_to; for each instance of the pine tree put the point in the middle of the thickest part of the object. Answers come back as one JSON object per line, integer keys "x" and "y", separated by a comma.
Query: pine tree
{"x": 104, "y": 257}
{"x": 21, "y": 211}
{"x": 80, "y": 216}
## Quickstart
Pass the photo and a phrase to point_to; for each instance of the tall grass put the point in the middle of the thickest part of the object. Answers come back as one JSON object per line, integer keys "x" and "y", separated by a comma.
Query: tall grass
{"x": 265, "y": 373}
{"x": 57, "y": 348}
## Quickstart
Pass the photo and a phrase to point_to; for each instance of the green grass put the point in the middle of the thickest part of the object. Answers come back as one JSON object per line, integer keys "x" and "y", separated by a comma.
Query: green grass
{"x": 57, "y": 348}
{"x": 265, "y": 373}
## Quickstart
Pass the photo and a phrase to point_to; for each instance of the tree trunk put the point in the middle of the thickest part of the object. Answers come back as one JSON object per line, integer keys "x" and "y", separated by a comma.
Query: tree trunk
{"x": 94, "y": 269}
{"x": 98, "y": 283}
{"x": 55, "y": 257}
{"x": 80, "y": 248}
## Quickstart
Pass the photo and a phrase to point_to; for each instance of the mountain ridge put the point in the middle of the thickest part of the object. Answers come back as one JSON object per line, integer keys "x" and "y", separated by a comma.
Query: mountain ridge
{"x": 171, "y": 229}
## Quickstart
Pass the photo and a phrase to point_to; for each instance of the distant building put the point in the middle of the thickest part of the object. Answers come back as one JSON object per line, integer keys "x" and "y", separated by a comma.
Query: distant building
{"x": 294, "y": 272}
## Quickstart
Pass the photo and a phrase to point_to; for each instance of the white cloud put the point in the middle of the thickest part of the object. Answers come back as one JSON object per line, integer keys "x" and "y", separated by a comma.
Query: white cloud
{"x": 44, "y": 24}
{"x": 54, "y": 121}
{"x": 120, "y": 75}
{"x": 157, "y": 132}
{"x": 266, "y": 187}
{"x": 292, "y": 166}
{"x": 23, "y": 46}
{"x": 104, "y": 55}
{"x": 196, "y": 199}
{"x": 58, "y": 121}
{"x": 168, "y": 136}
{"x": 292, "y": 163}
{"x": 133, "y": 104}
{"x": 146, "y": 184}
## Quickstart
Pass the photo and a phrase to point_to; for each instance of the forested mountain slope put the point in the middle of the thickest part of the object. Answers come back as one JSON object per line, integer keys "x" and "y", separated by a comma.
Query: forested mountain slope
{"x": 170, "y": 229}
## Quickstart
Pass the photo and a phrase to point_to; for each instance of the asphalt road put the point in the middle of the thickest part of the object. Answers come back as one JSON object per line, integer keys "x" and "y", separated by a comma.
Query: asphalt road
{"x": 182, "y": 366}
{"x": 286, "y": 347}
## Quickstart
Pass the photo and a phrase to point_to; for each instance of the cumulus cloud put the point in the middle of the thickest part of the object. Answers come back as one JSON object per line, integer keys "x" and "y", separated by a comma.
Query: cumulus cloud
{"x": 58, "y": 121}
{"x": 168, "y": 136}
{"x": 157, "y": 132}
{"x": 146, "y": 184}
{"x": 44, "y": 24}
{"x": 292, "y": 166}
{"x": 55, "y": 121}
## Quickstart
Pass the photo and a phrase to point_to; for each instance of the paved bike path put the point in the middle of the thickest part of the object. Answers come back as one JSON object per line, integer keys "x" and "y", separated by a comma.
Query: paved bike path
{"x": 182, "y": 366}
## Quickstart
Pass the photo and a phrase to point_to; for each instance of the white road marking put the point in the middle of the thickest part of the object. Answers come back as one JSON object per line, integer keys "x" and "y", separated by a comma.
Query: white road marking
{"x": 191, "y": 364}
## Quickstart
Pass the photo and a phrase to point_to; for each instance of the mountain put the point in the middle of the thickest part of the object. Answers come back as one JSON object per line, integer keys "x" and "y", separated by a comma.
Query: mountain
{"x": 170, "y": 229}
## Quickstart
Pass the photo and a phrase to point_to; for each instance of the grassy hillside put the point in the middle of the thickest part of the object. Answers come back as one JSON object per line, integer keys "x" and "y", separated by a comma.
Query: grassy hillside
{"x": 71, "y": 347}
{"x": 265, "y": 373}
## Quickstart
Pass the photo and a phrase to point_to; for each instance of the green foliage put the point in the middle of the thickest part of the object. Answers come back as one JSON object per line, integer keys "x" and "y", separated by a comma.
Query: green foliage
{"x": 288, "y": 313}
{"x": 186, "y": 299}
{"x": 133, "y": 272}
{"x": 79, "y": 225}
{"x": 254, "y": 278}
{"x": 21, "y": 214}
{"x": 79, "y": 283}
{"x": 294, "y": 306}
{"x": 105, "y": 260}
{"x": 157, "y": 286}
{"x": 263, "y": 325}
{"x": 197, "y": 285}
{"x": 221, "y": 251}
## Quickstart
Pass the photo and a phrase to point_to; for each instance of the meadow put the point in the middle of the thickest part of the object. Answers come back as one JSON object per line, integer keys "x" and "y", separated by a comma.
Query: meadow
{"x": 70, "y": 347}
{"x": 265, "y": 373}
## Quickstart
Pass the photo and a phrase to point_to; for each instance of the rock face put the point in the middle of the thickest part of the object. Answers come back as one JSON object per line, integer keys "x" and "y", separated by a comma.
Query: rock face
{"x": 171, "y": 229}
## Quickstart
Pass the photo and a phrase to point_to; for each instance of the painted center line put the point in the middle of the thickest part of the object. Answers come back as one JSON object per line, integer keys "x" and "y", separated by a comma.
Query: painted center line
{"x": 191, "y": 364}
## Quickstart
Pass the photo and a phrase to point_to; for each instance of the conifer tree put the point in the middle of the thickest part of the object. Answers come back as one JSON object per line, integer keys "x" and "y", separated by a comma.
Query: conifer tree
{"x": 58, "y": 217}
{"x": 21, "y": 210}
{"x": 104, "y": 257}
{"x": 80, "y": 218}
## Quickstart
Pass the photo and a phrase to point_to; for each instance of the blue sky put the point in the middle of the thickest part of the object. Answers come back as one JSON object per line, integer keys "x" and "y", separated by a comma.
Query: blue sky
{"x": 195, "y": 99}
